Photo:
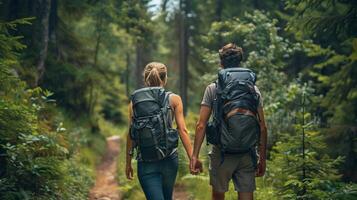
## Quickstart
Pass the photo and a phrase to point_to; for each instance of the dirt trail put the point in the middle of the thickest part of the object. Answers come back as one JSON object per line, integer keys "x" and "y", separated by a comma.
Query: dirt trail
{"x": 180, "y": 193}
{"x": 106, "y": 186}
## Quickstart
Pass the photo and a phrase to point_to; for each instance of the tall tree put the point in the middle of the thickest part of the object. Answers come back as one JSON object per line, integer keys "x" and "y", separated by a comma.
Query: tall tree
{"x": 43, "y": 36}
{"x": 137, "y": 21}
{"x": 184, "y": 50}
{"x": 328, "y": 30}
{"x": 139, "y": 63}
{"x": 219, "y": 8}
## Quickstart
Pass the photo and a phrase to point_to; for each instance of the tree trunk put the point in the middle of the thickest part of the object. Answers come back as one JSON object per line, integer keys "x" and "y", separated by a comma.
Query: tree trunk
{"x": 219, "y": 8}
{"x": 127, "y": 78}
{"x": 13, "y": 10}
{"x": 139, "y": 65}
{"x": 53, "y": 27}
{"x": 257, "y": 4}
{"x": 218, "y": 18}
{"x": 44, "y": 16}
{"x": 183, "y": 51}
{"x": 164, "y": 5}
{"x": 99, "y": 32}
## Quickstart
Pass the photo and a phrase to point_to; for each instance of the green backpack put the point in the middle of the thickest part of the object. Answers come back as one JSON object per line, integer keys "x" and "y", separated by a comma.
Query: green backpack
{"x": 151, "y": 128}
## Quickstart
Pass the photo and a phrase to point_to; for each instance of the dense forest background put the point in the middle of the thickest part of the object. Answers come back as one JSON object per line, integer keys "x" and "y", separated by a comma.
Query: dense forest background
{"x": 67, "y": 68}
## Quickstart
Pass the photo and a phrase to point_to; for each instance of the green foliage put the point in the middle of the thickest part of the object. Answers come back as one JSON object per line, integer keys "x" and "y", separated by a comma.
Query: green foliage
{"x": 37, "y": 161}
{"x": 10, "y": 44}
{"x": 327, "y": 31}
{"x": 49, "y": 142}
{"x": 136, "y": 20}
{"x": 299, "y": 166}
{"x": 322, "y": 18}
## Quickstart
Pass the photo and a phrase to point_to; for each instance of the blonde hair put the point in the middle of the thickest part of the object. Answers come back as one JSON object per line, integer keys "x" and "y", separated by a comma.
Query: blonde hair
{"x": 155, "y": 74}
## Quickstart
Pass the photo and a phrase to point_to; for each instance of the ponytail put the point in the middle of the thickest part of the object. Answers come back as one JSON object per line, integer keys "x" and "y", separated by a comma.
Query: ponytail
{"x": 155, "y": 74}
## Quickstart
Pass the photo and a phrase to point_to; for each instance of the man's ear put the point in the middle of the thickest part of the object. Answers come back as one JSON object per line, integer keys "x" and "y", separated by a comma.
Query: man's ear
{"x": 221, "y": 66}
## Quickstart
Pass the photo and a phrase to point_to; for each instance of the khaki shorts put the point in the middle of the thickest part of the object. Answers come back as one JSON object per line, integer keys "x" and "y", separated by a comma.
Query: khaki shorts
{"x": 238, "y": 167}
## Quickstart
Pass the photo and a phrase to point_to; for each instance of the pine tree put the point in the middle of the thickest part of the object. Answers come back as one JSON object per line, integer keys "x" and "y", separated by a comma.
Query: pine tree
{"x": 300, "y": 167}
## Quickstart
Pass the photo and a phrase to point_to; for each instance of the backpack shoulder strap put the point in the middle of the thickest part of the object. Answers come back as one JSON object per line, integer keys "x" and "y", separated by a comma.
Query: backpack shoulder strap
{"x": 166, "y": 100}
{"x": 166, "y": 109}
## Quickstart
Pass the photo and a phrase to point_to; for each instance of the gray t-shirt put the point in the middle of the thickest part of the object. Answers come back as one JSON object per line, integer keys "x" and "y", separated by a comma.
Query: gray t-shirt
{"x": 210, "y": 95}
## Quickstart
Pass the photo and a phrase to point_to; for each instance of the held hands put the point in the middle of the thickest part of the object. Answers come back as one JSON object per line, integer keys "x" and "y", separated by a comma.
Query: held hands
{"x": 195, "y": 166}
{"x": 129, "y": 172}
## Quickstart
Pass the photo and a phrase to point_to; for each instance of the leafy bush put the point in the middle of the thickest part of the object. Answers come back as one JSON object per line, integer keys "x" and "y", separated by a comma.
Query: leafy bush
{"x": 37, "y": 159}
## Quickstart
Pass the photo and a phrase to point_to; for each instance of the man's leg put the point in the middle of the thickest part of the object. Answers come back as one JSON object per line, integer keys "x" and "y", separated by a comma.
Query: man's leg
{"x": 220, "y": 173}
{"x": 245, "y": 195}
{"x": 244, "y": 178}
{"x": 217, "y": 195}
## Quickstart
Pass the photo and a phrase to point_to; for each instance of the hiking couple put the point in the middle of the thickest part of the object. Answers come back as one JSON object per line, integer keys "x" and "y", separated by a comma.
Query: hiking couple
{"x": 237, "y": 131}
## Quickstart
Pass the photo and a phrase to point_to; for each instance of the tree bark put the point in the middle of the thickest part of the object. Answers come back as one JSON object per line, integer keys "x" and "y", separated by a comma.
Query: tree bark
{"x": 127, "y": 73}
{"x": 53, "y": 27}
{"x": 99, "y": 32}
{"x": 257, "y": 4}
{"x": 219, "y": 8}
{"x": 44, "y": 16}
{"x": 218, "y": 18}
{"x": 164, "y": 5}
{"x": 140, "y": 63}
{"x": 183, "y": 51}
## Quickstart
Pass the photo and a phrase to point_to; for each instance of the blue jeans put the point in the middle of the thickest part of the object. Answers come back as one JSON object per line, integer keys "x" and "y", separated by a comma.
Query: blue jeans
{"x": 158, "y": 178}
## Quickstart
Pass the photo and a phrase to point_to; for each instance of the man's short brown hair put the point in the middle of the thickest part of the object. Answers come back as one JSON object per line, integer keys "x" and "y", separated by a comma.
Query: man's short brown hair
{"x": 231, "y": 55}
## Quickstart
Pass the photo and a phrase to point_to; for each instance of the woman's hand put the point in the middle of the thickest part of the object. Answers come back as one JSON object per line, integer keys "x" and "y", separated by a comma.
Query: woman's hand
{"x": 129, "y": 171}
{"x": 195, "y": 166}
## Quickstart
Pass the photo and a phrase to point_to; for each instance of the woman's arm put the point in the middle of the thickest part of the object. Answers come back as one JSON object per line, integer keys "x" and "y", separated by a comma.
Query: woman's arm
{"x": 180, "y": 121}
{"x": 129, "y": 144}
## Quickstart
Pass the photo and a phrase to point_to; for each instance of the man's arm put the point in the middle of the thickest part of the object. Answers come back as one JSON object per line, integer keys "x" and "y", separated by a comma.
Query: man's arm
{"x": 262, "y": 143}
{"x": 205, "y": 113}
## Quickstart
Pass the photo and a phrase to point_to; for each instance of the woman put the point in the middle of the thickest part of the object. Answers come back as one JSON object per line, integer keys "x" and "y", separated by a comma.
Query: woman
{"x": 155, "y": 142}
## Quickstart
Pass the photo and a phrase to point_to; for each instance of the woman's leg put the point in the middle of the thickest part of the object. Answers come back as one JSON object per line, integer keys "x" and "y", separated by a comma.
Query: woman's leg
{"x": 150, "y": 179}
{"x": 169, "y": 172}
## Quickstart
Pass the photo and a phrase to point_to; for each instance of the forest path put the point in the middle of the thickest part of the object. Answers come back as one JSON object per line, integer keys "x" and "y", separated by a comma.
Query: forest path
{"x": 106, "y": 186}
{"x": 180, "y": 193}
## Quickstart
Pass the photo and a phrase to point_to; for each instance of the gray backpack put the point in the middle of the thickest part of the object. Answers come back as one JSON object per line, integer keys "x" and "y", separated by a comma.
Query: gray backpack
{"x": 231, "y": 129}
{"x": 151, "y": 128}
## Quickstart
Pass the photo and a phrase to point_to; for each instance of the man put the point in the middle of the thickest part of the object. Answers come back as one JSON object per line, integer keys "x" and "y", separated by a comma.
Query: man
{"x": 240, "y": 167}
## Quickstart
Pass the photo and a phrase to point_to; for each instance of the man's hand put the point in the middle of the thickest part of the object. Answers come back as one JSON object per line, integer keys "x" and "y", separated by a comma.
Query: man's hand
{"x": 261, "y": 168}
{"x": 129, "y": 171}
{"x": 195, "y": 166}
